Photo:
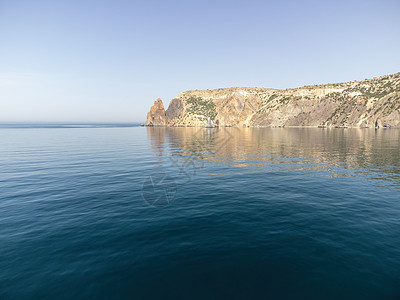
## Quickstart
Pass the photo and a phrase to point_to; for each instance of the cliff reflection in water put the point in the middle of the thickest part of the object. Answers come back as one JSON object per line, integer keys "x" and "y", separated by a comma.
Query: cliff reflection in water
{"x": 332, "y": 150}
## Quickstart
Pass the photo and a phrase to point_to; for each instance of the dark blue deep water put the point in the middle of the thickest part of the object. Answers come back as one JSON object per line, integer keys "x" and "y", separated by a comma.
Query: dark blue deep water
{"x": 193, "y": 213}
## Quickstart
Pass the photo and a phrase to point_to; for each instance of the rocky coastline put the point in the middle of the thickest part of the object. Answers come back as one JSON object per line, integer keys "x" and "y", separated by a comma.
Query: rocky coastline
{"x": 370, "y": 103}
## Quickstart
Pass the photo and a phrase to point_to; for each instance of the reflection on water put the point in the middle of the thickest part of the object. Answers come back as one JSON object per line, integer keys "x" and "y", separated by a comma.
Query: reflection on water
{"x": 334, "y": 152}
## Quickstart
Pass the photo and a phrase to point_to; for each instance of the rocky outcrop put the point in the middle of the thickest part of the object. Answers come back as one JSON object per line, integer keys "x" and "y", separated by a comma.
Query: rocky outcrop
{"x": 175, "y": 108}
{"x": 157, "y": 116}
{"x": 368, "y": 103}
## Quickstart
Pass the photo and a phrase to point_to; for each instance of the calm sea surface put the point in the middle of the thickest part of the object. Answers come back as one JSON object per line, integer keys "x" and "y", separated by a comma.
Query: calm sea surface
{"x": 194, "y": 213}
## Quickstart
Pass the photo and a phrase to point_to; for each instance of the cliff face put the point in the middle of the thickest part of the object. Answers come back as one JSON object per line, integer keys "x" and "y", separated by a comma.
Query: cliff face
{"x": 368, "y": 103}
{"x": 156, "y": 116}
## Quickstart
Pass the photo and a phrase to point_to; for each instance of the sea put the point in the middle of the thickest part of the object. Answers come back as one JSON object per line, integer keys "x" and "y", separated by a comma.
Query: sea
{"x": 111, "y": 211}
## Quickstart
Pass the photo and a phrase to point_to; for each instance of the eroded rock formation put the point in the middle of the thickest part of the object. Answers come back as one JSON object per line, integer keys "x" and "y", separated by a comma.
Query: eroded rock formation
{"x": 156, "y": 116}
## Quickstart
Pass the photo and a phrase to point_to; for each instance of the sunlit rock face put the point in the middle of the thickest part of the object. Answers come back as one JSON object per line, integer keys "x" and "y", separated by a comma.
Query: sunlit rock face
{"x": 156, "y": 116}
{"x": 367, "y": 103}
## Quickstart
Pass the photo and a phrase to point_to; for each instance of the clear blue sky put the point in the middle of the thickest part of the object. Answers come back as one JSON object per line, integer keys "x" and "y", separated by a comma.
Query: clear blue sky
{"x": 107, "y": 61}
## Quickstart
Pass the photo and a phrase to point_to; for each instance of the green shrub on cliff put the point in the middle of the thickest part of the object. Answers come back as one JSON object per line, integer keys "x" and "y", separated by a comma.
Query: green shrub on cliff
{"x": 199, "y": 106}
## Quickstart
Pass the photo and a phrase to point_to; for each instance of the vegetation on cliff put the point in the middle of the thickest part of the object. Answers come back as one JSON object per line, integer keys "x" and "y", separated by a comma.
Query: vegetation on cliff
{"x": 202, "y": 107}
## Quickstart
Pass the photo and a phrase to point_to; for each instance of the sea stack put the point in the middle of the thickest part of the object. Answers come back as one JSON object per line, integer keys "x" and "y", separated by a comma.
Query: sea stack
{"x": 156, "y": 116}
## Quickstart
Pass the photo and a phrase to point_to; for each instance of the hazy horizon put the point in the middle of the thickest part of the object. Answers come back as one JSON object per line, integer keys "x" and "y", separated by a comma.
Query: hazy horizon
{"x": 100, "y": 62}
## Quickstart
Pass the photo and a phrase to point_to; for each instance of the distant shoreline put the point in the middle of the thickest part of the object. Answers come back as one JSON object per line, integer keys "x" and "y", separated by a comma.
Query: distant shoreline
{"x": 67, "y": 125}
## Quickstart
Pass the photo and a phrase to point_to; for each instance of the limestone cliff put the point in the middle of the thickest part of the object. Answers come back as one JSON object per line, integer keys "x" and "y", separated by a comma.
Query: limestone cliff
{"x": 368, "y": 103}
{"x": 156, "y": 116}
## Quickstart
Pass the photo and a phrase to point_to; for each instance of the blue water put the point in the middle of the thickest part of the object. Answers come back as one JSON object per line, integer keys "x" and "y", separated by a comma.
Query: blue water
{"x": 193, "y": 213}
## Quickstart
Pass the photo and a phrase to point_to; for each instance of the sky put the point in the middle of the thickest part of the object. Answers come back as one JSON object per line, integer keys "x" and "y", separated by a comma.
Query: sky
{"x": 107, "y": 61}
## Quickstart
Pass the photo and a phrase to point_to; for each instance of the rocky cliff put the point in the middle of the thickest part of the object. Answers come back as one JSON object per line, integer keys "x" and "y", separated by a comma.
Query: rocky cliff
{"x": 368, "y": 103}
{"x": 156, "y": 116}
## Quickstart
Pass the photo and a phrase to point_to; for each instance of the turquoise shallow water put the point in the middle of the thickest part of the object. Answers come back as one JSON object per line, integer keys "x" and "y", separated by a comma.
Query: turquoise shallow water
{"x": 194, "y": 213}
